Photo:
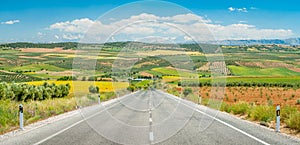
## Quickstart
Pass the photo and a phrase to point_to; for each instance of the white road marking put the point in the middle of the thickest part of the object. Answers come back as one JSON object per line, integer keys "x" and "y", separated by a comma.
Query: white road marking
{"x": 151, "y": 136}
{"x": 227, "y": 124}
{"x": 231, "y": 126}
{"x": 57, "y": 133}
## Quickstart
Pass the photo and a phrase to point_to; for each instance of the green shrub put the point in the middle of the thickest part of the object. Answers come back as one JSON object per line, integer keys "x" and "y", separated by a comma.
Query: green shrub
{"x": 25, "y": 92}
{"x": 263, "y": 113}
{"x": 225, "y": 107}
{"x": 294, "y": 121}
{"x": 298, "y": 102}
{"x": 240, "y": 108}
{"x": 94, "y": 89}
{"x": 286, "y": 111}
{"x": 131, "y": 88}
{"x": 235, "y": 99}
{"x": 187, "y": 91}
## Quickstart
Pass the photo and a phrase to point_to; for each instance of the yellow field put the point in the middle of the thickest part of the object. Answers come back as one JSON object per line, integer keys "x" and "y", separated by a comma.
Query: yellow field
{"x": 170, "y": 78}
{"x": 83, "y": 86}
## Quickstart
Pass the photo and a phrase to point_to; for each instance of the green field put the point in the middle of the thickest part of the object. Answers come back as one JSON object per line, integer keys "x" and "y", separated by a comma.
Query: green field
{"x": 265, "y": 72}
{"x": 175, "y": 72}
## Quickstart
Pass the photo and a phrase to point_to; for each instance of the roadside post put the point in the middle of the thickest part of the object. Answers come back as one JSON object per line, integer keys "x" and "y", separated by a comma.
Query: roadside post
{"x": 199, "y": 99}
{"x": 21, "y": 116}
{"x": 278, "y": 118}
{"x": 99, "y": 99}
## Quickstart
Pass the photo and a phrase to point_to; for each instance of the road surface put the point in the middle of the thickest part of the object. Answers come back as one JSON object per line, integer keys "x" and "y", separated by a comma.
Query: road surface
{"x": 150, "y": 117}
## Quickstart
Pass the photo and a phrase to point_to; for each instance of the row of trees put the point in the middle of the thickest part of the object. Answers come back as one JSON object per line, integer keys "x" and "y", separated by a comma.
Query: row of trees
{"x": 67, "y": 78}
{"x": 241, "y": 84}
{"x": 25, "y": 92}
{"x": 65, "y": 45}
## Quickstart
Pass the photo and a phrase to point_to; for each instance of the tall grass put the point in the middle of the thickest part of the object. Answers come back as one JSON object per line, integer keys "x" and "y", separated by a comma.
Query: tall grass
{"x": 240, "y": 108}
{"x": 39, "y": 110}
{"x": 293, "y": 121}
{"x": 33, "y": 111}
{"x": 263, "y": 113}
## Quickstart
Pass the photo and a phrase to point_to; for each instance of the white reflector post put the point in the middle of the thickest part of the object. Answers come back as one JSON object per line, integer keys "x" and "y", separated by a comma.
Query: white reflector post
{"x": 199, "y": 99}
{"x": 21, "y": 116}
{"x": 277, "y": 118}
{"x": 99, "y": 99}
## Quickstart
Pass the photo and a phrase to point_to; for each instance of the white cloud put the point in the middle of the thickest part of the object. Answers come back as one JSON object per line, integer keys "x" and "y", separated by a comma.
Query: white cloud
{"x": 40, "y": 34}
{"x": 56, "y": 36}
{"x": 72, "y": 36}
{"x": 181, "y": 27}
{"x": 232, "y": 9}
{"x": 10, "y": 22}
{"x": 242, "y": 10}
{"x": 78, "y": 25}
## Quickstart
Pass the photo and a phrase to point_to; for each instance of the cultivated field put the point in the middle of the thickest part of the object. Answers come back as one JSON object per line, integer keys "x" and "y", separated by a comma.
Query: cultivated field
{"x": 82, "y": 87}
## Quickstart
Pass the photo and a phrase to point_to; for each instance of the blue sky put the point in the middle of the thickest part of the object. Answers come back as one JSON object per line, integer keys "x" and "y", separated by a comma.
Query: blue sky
{"x": 37, "y": 21}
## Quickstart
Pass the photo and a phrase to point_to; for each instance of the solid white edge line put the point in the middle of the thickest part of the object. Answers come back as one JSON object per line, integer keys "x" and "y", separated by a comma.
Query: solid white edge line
{"x": 235, "y": 128}
{"x": 227, "y": 124}
{"x": 55, "y": 134}
{"x": 84, "y": 119}
{"x": 151, "y": 133}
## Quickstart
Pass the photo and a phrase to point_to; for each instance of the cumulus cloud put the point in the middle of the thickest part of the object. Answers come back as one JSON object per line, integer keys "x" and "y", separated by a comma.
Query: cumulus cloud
{"x": 10, "y": 22}
{"x": 75, "y": 26}
{"x": 246, "y": 31}
{"x": 146, "y": 27}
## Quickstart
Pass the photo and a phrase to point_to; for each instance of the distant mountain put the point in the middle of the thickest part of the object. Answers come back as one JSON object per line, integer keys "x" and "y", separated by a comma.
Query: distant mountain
{"x": 291, "y": 41}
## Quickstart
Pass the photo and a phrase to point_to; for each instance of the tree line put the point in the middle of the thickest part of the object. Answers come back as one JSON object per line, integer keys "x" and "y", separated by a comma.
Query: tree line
{"x": 64, "y": 45}
{"x": 26, "y": 92}
{"x": 241, "y": 84}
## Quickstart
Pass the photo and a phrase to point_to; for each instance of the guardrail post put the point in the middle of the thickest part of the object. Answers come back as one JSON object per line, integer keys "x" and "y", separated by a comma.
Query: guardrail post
{"x": 278, "y": 118}
{"x": 21, "y": 116}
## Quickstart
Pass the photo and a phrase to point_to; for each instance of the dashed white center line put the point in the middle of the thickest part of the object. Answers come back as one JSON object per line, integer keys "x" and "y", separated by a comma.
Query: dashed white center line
{"x": 151, "y": 136}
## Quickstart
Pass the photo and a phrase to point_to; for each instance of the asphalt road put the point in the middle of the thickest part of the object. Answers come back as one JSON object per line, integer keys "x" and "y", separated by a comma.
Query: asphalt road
{"x": 150, "y": 117}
